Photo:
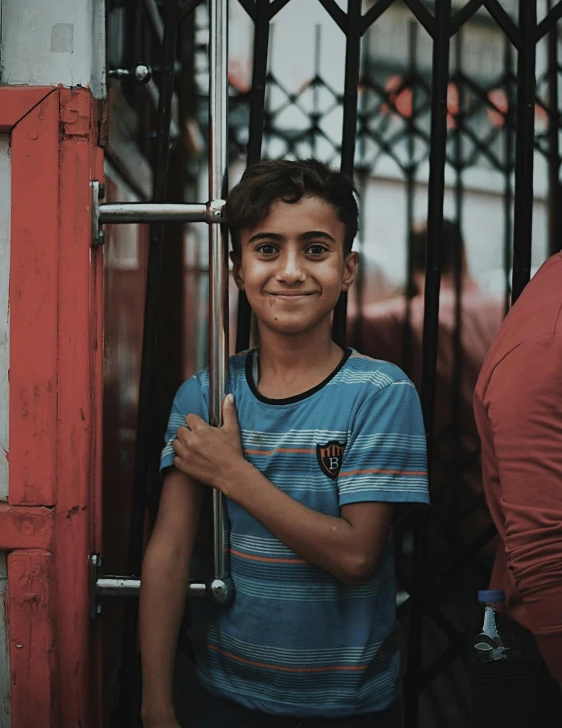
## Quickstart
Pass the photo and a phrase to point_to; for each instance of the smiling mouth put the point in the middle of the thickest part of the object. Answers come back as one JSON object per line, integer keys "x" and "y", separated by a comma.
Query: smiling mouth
{"x": 291, "y": 294}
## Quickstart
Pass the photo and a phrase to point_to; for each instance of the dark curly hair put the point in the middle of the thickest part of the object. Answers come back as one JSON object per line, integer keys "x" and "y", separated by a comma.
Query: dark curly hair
{"x": 264, "y": 183}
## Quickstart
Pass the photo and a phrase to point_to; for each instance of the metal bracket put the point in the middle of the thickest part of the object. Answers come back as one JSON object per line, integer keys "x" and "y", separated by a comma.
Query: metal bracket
{"x": 119, "y": 213}
{"x": 219, "y": 591}
{"x": 97, "y": 193}
{"x": 142, "y": 72}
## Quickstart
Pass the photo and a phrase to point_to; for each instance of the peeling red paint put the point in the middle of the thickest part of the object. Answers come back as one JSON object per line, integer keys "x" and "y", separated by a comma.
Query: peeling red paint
{"x": 75, "y": 113}
{"x": 30, "y": 582}
{"x": 48, "y": 525}
{"x": 25, "y": 527}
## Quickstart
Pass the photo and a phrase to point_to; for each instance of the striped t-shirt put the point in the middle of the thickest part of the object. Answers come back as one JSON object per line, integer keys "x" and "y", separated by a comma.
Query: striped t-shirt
{"x": 296, "y": 641}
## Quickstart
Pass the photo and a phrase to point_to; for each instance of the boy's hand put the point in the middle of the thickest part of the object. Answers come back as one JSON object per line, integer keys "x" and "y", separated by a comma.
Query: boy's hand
{"x": 207, "y": 454}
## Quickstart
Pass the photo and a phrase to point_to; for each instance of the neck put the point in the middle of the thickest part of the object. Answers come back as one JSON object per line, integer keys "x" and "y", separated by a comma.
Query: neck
{"x": 290, "y": 353}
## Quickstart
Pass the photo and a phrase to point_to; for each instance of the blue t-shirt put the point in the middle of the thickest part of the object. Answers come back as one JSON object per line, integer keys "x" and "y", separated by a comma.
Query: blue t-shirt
{"x": 296, "y": 641}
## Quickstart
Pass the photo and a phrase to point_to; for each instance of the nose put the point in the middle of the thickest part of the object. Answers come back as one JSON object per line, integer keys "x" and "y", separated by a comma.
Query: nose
{"x": 290, "y": 268}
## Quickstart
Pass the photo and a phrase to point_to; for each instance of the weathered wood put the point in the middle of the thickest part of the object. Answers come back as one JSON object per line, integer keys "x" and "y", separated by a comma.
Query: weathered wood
{"x": 33, "y": 305}
{"x": 23, "y": 527}
{"x": 32, "y": 637}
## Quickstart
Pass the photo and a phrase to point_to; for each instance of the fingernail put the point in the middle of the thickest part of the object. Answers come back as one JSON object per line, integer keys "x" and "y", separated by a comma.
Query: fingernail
{"x": 230, "y": 398}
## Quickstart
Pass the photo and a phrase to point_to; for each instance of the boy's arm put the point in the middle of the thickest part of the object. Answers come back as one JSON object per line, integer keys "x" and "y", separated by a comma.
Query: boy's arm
{"x": 164, "y": 583}
{"x": 350, "y": 546}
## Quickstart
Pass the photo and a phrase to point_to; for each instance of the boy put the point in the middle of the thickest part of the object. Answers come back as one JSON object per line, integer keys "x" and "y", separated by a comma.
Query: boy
{"x": 316, "y": 447}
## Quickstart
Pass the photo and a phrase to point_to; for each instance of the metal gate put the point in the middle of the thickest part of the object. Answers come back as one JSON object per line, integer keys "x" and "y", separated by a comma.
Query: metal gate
{"x": 428, "y": 131}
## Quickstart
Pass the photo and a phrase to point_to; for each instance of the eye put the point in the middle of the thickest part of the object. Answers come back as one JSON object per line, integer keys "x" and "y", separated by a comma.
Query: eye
{"x": 266, "y": 249}
{"x": 316, "y": 249}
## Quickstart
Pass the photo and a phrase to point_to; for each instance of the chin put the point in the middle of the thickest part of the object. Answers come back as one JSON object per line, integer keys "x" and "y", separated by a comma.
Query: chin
{"x": 294, "y": 328}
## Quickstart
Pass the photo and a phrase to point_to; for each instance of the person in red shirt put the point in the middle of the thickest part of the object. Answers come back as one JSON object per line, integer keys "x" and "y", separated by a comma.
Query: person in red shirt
{"x": 518, "y": 412}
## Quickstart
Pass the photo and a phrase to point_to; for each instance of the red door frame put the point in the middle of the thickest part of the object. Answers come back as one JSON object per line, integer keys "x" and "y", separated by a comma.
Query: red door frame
{"x": 52, "y": 520}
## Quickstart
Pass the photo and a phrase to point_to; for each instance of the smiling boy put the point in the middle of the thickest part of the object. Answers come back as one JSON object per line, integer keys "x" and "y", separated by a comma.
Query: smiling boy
{"x": 317, "y": 446}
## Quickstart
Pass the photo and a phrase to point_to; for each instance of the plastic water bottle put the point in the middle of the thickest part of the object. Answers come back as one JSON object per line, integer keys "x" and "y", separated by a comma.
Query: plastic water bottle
{"x": 493, "y": 640}
{"x": 501, "y": 669}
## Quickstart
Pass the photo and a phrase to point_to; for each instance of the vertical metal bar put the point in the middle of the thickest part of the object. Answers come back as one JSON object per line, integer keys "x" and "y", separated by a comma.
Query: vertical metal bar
{"x": 524, "y": 147}
{"x": 358, "y": 336}
{"x": 457, "y": 256}
{"x": 509, "y": 161}
{"x": 218, "y": 245}
{"x": 147, "y": 377}
{"x": 315, "y": 116}
{"x": 440, "y": 76}
{"x": 259, "y": 81}
{"x": 553, "y": 141}
{"x": 410, "y": 198}
{"x": 256, "y": 126}
{"x": 349, "y": 132}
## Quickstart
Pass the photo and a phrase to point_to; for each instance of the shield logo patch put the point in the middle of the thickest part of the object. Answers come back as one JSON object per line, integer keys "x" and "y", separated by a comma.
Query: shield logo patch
{"x": 330, "y": 457}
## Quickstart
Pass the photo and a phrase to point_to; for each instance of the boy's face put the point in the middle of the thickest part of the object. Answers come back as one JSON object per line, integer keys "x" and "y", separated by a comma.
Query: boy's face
{"x": 293, "y": 266}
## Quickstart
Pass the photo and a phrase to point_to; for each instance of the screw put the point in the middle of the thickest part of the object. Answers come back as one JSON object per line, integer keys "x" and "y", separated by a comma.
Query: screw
{"x": 142, "y": 73}
{"x": 101, "y": 237}
{"x": 101, "y": 192}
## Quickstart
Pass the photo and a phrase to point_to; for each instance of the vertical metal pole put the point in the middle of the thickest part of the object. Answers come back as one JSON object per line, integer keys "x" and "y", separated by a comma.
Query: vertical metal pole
{"x": 358, "y": 336}
{"x": 315, "y": 116}
{"x": 349, "y": 132}
{"x": 257, "y": 119}
{"x": 508, "y": 191}
{"x": 440, "y": 77}
{"x": 555, "y": 243}
{"x": 524, "y": 147}
{"x": 457, "y": 255}
{"x": 407, "y": 363}
{"x": 218, "y": 245}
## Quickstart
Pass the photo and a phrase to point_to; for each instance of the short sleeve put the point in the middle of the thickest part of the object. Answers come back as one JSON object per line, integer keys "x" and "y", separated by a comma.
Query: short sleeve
{"x": 386, "y": 458}
{"x": 188, "y": 400}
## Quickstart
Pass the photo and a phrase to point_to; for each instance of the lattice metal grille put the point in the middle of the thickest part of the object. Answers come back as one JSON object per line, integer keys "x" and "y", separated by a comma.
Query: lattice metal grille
{"x": 431, "y": 108}
{"x": 433, "y": 100}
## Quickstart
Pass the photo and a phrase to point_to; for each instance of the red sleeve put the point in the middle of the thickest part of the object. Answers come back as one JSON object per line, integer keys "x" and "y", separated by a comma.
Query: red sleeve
{"x": 524, "y": 408}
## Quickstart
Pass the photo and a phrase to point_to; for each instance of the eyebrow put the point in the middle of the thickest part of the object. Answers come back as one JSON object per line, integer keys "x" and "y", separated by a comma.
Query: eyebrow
{"x": 309, "y": 235}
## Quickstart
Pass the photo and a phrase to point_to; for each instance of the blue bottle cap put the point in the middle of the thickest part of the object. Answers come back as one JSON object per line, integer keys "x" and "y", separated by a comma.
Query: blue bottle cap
{"x": 491, "y": 596}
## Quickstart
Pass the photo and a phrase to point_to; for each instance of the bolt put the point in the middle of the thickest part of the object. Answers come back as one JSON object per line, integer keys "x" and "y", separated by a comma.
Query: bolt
{"x": 101, "y": 192}
{"x": 101, "y": 237}
{"x": 142, "y": 73}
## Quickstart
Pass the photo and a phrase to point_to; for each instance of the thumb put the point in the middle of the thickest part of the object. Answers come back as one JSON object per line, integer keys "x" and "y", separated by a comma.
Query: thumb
{"x": 229, "y": 414}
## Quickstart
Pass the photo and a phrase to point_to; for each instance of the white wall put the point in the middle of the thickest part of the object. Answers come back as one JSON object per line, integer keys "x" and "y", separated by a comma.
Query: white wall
{"x": 44, "y": 42}
{"x": 5, "y": 204}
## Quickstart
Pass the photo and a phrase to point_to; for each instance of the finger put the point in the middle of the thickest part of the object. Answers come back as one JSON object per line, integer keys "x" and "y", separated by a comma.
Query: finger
{"x": 179, "y": 448}
{"x": 192, "y": 422}
{"x": 179, "y": 464}
{"x": 229, "y": 413}
{"x": 182, "y": 433}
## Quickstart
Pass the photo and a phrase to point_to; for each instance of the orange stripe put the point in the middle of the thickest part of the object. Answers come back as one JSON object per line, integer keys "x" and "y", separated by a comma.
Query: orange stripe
{"x": 267, "y": 559}
{"x": 354, "y": 668}
{"x": 298, "y": 450}
{"x": 383, "y": 472}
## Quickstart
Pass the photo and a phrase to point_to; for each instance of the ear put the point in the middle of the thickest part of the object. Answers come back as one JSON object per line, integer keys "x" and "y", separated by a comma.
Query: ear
{"x": 237, "y": 272}
{"x": 349, "y": 270}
